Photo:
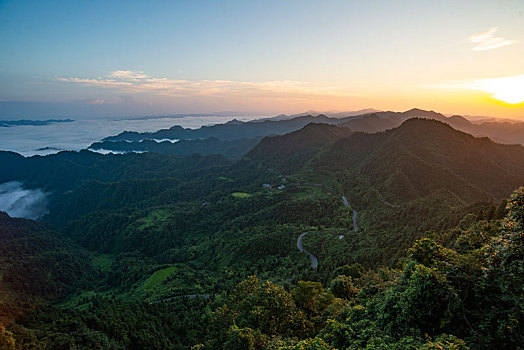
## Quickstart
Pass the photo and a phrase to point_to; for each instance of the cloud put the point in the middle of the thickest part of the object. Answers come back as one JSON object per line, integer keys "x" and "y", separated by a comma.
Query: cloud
{"x": 97, "y": 82}
{"x": 128, "y": 74}
{"x": 138, "y": 82}
{"x": 95, "y": 102}
{"x": 488, "y": 41}
{"x": 20, "y": 202}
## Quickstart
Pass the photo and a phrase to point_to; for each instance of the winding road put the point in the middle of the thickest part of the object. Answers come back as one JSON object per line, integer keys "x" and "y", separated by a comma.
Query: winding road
{"x": 355, "y": 226}
{"x": 314, "y": 261}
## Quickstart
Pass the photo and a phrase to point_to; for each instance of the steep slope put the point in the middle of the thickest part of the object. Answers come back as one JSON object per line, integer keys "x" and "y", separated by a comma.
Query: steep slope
{"x": 35, "y": 262}
{"x": 425, "y": 156}
{"x": 421, "y": 157}
{"x": 289, "y": 152}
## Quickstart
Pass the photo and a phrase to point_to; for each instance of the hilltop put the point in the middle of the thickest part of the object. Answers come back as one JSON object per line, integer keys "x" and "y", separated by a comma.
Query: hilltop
{"x": 239, "y": 134}
{"x": 417, "y": 158}
{"x": 393, "y": 215}
{"x": 298, "y": 146}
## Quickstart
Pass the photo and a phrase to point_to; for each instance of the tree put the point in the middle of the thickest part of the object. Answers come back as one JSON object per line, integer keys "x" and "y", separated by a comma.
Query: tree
{"x": 308, "y": 344}
{"x": 504, "y": 278}
{"x": 257, "y": 308}
{"x": 7, "y": 342}
{"x": 342, "y": 287}
{"x": 423, "y": 301}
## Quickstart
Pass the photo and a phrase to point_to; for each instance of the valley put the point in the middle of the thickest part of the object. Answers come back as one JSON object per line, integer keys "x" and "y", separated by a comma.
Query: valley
{"x": 261, "y": 175}
{"x": 194, "y": 250}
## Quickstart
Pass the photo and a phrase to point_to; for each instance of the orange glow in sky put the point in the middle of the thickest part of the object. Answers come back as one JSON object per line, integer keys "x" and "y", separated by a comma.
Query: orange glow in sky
{"x": 261, "y": 57}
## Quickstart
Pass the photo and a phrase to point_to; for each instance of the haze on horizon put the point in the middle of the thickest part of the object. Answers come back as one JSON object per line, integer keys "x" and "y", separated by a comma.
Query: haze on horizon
{"x": 131, "y": 58}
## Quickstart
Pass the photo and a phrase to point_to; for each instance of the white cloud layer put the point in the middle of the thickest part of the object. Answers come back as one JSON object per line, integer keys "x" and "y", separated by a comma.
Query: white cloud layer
{"x": 488, "y": 41}
{"x": 138, "y": 82}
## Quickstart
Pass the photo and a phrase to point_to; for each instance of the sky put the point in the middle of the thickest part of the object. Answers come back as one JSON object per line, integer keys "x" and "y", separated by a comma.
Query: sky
{"x": 134, "y": 58}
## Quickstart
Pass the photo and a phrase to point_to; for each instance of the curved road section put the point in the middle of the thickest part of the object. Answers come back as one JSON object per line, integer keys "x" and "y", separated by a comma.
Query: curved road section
{"x": 355, "y": 226}
{"x": 314, "y": 261}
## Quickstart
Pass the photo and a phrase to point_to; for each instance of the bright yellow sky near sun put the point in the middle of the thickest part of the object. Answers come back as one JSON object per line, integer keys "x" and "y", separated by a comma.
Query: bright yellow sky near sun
{"x": 496, "y": 97}
{"x": 496, "y": 100}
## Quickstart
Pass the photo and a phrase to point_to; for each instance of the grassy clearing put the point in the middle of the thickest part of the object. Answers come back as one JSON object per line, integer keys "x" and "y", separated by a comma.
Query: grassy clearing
{"x": 223, "y": 178}
{"x": 308, "y": 191}
{"x": 102, "y": 262}
{"x": 241, "y": 195}
{"x": 302, "y": 195}
{"x": 79, "y": 300}
{"x": 154, "y": 218}
{"x": 158, "y": 277}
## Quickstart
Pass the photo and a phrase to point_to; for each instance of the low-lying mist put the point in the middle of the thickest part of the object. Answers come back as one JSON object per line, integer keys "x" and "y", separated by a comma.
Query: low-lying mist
{"x": 22, "y": 203}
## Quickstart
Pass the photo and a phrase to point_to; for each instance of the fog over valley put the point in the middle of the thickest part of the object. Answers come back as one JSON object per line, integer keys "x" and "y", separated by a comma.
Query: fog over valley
{"x": 20, "y": 202}
{"x": 261, "y": 175}
{"x": 79, "y": 134}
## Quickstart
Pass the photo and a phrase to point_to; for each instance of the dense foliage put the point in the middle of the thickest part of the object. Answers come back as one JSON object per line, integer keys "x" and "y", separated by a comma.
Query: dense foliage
{"x": 233, "y": 149}
{"x": 151, "y": 251}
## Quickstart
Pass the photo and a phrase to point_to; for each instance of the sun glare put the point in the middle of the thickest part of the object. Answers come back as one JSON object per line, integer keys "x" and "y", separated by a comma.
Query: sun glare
{"x": 506, "y": 89}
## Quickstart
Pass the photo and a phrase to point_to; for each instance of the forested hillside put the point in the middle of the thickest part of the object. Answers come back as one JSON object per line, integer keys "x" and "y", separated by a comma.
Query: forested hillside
{"x": 415, "y": 230}
{"x": 233, "y": 149}
{"x": 289, "y": 152}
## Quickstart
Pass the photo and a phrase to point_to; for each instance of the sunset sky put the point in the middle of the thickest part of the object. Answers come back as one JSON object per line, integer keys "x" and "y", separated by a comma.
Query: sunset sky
{"x": 133, "y": 58}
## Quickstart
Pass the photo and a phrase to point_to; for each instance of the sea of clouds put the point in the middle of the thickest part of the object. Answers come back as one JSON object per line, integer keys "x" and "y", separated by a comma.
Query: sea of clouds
{"x": 30, "y": 140}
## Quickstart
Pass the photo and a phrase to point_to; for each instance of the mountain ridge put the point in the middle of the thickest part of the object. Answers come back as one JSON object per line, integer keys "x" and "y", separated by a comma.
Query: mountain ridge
{"x": 447, "y": 157}
{"x": 372, "y": 122}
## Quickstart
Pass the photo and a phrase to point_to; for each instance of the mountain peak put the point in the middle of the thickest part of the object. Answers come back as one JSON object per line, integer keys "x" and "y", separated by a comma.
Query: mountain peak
{"x": 418, "y": 122}
{"x": 234, "y": 122}
{"x": 289, "y": 151}
{"x": 421, "y": 113}
{"x": 458, "y": 121}
{"x": 418, "y": 110}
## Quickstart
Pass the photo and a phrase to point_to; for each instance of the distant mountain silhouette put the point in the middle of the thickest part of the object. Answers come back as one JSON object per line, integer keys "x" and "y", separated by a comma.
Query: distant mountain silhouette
{"x": 371, "y": 123}
{"x": 459, "y": 122}
{"x": 503, "y": 132}
{"x": 232, "y": 130}
{"x": 211, "y": 145}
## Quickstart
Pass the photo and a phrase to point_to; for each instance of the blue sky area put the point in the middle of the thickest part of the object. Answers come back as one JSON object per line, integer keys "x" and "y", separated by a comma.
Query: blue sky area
{"x": 127, "y": 58}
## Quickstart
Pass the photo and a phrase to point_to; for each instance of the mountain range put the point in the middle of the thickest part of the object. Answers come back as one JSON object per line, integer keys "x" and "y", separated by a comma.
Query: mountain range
{"x": 411, "y": 222}
{"x": 208, "y": 136}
